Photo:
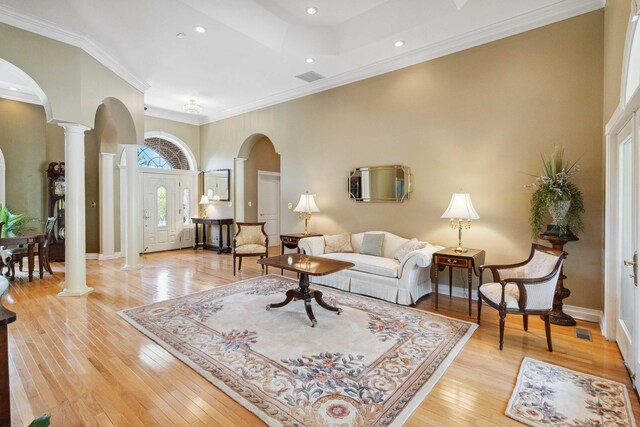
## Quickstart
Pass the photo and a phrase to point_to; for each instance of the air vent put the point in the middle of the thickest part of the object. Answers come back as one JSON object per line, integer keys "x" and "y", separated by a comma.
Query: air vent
{"x": 310, "y": 76}
{"x": 583, "y": 334}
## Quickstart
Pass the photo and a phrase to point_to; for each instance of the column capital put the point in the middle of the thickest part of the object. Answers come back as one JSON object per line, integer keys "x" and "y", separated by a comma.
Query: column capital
{"x": 74, "y": 127}
{"x": 105, "y": 155}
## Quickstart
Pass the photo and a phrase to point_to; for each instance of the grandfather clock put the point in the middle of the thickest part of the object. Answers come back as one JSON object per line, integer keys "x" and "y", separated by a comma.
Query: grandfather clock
{"x": 56, "y": 189}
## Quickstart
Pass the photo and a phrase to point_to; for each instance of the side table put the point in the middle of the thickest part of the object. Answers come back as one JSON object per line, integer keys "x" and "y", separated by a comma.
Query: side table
{"x": 557, "y": 316}
{"x": 290, "y": 241}
{"x": 448, "y": 257}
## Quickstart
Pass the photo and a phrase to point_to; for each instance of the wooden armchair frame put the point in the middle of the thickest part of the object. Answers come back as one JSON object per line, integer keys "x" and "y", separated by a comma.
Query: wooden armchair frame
{"x": 520, "y": 283}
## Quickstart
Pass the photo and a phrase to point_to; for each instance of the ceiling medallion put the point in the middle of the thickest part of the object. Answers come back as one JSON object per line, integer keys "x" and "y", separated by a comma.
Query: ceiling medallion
{"x": 192, "y": 107}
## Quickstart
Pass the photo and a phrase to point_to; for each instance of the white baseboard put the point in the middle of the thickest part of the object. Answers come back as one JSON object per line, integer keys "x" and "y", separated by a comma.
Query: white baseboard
{"x": 579, "y": 313}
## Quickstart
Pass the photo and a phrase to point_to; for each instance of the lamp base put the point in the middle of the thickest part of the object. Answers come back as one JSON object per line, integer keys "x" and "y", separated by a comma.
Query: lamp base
{"x": 460, "y": 250}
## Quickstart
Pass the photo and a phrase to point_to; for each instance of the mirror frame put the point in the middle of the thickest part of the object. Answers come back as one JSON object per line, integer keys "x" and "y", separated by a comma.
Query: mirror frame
{"x": 405, "y": 196}
{"x": 228, "y": 171}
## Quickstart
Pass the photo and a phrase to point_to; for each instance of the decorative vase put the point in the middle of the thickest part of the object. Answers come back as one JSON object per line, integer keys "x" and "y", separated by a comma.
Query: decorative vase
{"x": 558, "y": 211}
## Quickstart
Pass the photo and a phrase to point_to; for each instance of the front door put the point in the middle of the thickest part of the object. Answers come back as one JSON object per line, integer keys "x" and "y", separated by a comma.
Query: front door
{"x": 627, "y": 320}
{"x": 161, "y": 212}
{"x": 269, "y": 204}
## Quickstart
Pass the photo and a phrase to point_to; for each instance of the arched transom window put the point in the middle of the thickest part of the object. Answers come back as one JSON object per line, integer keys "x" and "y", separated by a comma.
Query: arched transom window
{"x": 159, "y": 153}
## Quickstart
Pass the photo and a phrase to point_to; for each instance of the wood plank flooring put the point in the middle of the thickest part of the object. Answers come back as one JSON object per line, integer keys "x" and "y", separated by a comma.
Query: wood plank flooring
{"x": 76, "y": 358}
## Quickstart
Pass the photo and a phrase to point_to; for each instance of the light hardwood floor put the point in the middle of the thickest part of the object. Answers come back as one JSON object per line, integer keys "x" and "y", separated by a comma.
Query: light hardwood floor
{"x": 76, "y": 358}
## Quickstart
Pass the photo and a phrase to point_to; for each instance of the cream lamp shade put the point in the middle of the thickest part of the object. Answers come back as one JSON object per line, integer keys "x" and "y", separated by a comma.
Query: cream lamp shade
{"x": 460, "y": 209}
{"x": 305, "y": 207}
{"x": 307, "y": 203}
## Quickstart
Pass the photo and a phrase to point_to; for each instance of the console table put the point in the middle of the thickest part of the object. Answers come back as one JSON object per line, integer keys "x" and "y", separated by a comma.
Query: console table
{"x": 213, "y": 221}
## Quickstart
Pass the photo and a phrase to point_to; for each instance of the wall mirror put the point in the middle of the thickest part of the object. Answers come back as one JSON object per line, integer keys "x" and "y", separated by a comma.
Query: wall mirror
{"x": 380, "y": 183}
{"x": 216, "y": 185}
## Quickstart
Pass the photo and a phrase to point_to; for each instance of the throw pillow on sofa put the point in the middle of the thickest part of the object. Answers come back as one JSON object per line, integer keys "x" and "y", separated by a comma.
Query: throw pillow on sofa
{"x": 406, "y": 247}
{"x": 372, "y": 244}
{"x": 337, "y": 243}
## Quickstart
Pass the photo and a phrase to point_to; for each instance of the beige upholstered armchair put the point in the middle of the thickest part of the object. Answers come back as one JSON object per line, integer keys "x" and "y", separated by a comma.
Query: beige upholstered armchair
{"x": 524, "y": 288}
{"x": 250, "y": 240}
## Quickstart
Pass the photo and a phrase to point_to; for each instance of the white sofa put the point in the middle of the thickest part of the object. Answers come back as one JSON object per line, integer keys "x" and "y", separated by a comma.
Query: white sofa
{"x": 381, "y": 277}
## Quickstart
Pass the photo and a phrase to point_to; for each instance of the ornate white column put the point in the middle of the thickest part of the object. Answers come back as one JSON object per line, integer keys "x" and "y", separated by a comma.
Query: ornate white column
{"x": 132, "y": 254}
{"x": 107, "y": 211}
{"x": 239, "y": 187}
{"x": 75, "y": 265}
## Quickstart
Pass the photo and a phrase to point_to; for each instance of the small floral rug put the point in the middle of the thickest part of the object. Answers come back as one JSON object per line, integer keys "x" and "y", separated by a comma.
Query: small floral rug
{"x": 370, "y": 366}
{"x": 549, "y": 395}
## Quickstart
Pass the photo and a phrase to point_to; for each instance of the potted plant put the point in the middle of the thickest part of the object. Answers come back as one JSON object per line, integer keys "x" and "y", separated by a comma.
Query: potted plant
{"x": 557, "y": 195}
{"x": 13, "y": 223}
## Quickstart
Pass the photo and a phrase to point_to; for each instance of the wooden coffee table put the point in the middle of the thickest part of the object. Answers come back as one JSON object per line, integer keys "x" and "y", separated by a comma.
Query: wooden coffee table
{"x": 306, "y": 266}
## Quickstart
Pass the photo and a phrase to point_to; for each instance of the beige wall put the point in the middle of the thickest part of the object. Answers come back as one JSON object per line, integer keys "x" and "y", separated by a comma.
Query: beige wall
{"x": 262, "y": 158}
{"x": 617, "y": 15}
{"x": 475, "y": 121}
{"x": 29, "y": 144}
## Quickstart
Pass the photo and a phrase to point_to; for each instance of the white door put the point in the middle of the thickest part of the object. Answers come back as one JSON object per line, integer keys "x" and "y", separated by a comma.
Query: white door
{"x": 269, "y": 204}
{"x": 627, "y": 320}
{"x": 161, "y": 212}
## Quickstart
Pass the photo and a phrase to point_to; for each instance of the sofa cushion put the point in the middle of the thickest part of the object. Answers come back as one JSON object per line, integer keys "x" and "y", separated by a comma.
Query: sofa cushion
{"x": 337, "y": 243}
{"x": 368, "y": 263}
{"x": 410, "y": 246}
{"x": 372, "y": 244}
{"x": 390, "y": 245}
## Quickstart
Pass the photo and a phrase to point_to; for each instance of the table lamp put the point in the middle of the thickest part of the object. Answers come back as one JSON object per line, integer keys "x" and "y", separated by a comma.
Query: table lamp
{"x": 204, "y": 201}
{"x": 306, "y": 205}
{"x": 460, "y": 212}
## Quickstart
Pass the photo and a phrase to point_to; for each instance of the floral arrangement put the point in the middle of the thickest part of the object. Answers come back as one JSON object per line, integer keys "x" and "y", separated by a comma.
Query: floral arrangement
{"x": 556, "y": 194}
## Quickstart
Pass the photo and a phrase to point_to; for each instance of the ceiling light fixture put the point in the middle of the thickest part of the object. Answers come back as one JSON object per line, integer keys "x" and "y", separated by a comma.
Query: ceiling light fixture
{"x": 199, "y": 29}
{"x": 399, "y": 43}
{"x": 15, "y": 89}
{"x": 312, "y": 10}
{"x": 181, "y": 35}
{"x": 310, "y": 60}
{"x": 192, "y": 107}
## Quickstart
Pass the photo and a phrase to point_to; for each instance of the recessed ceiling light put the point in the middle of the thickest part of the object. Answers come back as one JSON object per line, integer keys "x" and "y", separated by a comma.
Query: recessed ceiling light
{"x": 199, "y": 29}
{"x": 310, "y": 60}
{"x": 312, "y": 10}
{"x": 399, "y": 43}
{"x": 15, "y": 89}
{"x": 181, "y": 35}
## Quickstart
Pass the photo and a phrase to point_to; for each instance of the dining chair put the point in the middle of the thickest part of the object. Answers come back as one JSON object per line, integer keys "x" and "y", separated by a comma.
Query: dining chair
{"x": 17, "y": 255}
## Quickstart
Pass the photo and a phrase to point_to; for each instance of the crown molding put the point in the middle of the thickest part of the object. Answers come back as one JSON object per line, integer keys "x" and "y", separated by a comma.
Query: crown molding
{"x": 20, "y": 96}
{"x": 176, "y": 116}
{"x": 53, "y": 31}
{"x": 539, "y": 18}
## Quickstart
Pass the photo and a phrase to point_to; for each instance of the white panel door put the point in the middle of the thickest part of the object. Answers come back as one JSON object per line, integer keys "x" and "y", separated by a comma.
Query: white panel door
{"x": 269, "y": 204}
{"x": 627, "y": 318}
{"x": 161, "y": 212}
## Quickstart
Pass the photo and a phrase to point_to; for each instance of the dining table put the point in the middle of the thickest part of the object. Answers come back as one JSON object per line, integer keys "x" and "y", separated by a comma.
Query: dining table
{"x": 29, "y": 239}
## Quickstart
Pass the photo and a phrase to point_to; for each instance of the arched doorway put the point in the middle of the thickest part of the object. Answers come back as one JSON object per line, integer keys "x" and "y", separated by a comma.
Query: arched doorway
{"x": 168, "y": 186}
{"x": 257, "y": 178}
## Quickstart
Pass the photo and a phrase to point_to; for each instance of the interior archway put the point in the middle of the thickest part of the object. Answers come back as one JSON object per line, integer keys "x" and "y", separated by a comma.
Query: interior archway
{"x": 28, "y": 89}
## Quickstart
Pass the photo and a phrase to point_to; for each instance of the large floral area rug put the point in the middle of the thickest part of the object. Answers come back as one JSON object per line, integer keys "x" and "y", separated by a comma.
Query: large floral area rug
{"x": 549, "y": 395}
{"x": 372, "y": 365}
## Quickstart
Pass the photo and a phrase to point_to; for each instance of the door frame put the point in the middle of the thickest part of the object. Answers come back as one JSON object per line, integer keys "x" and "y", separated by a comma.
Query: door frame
{"x": 267, "y": 173}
